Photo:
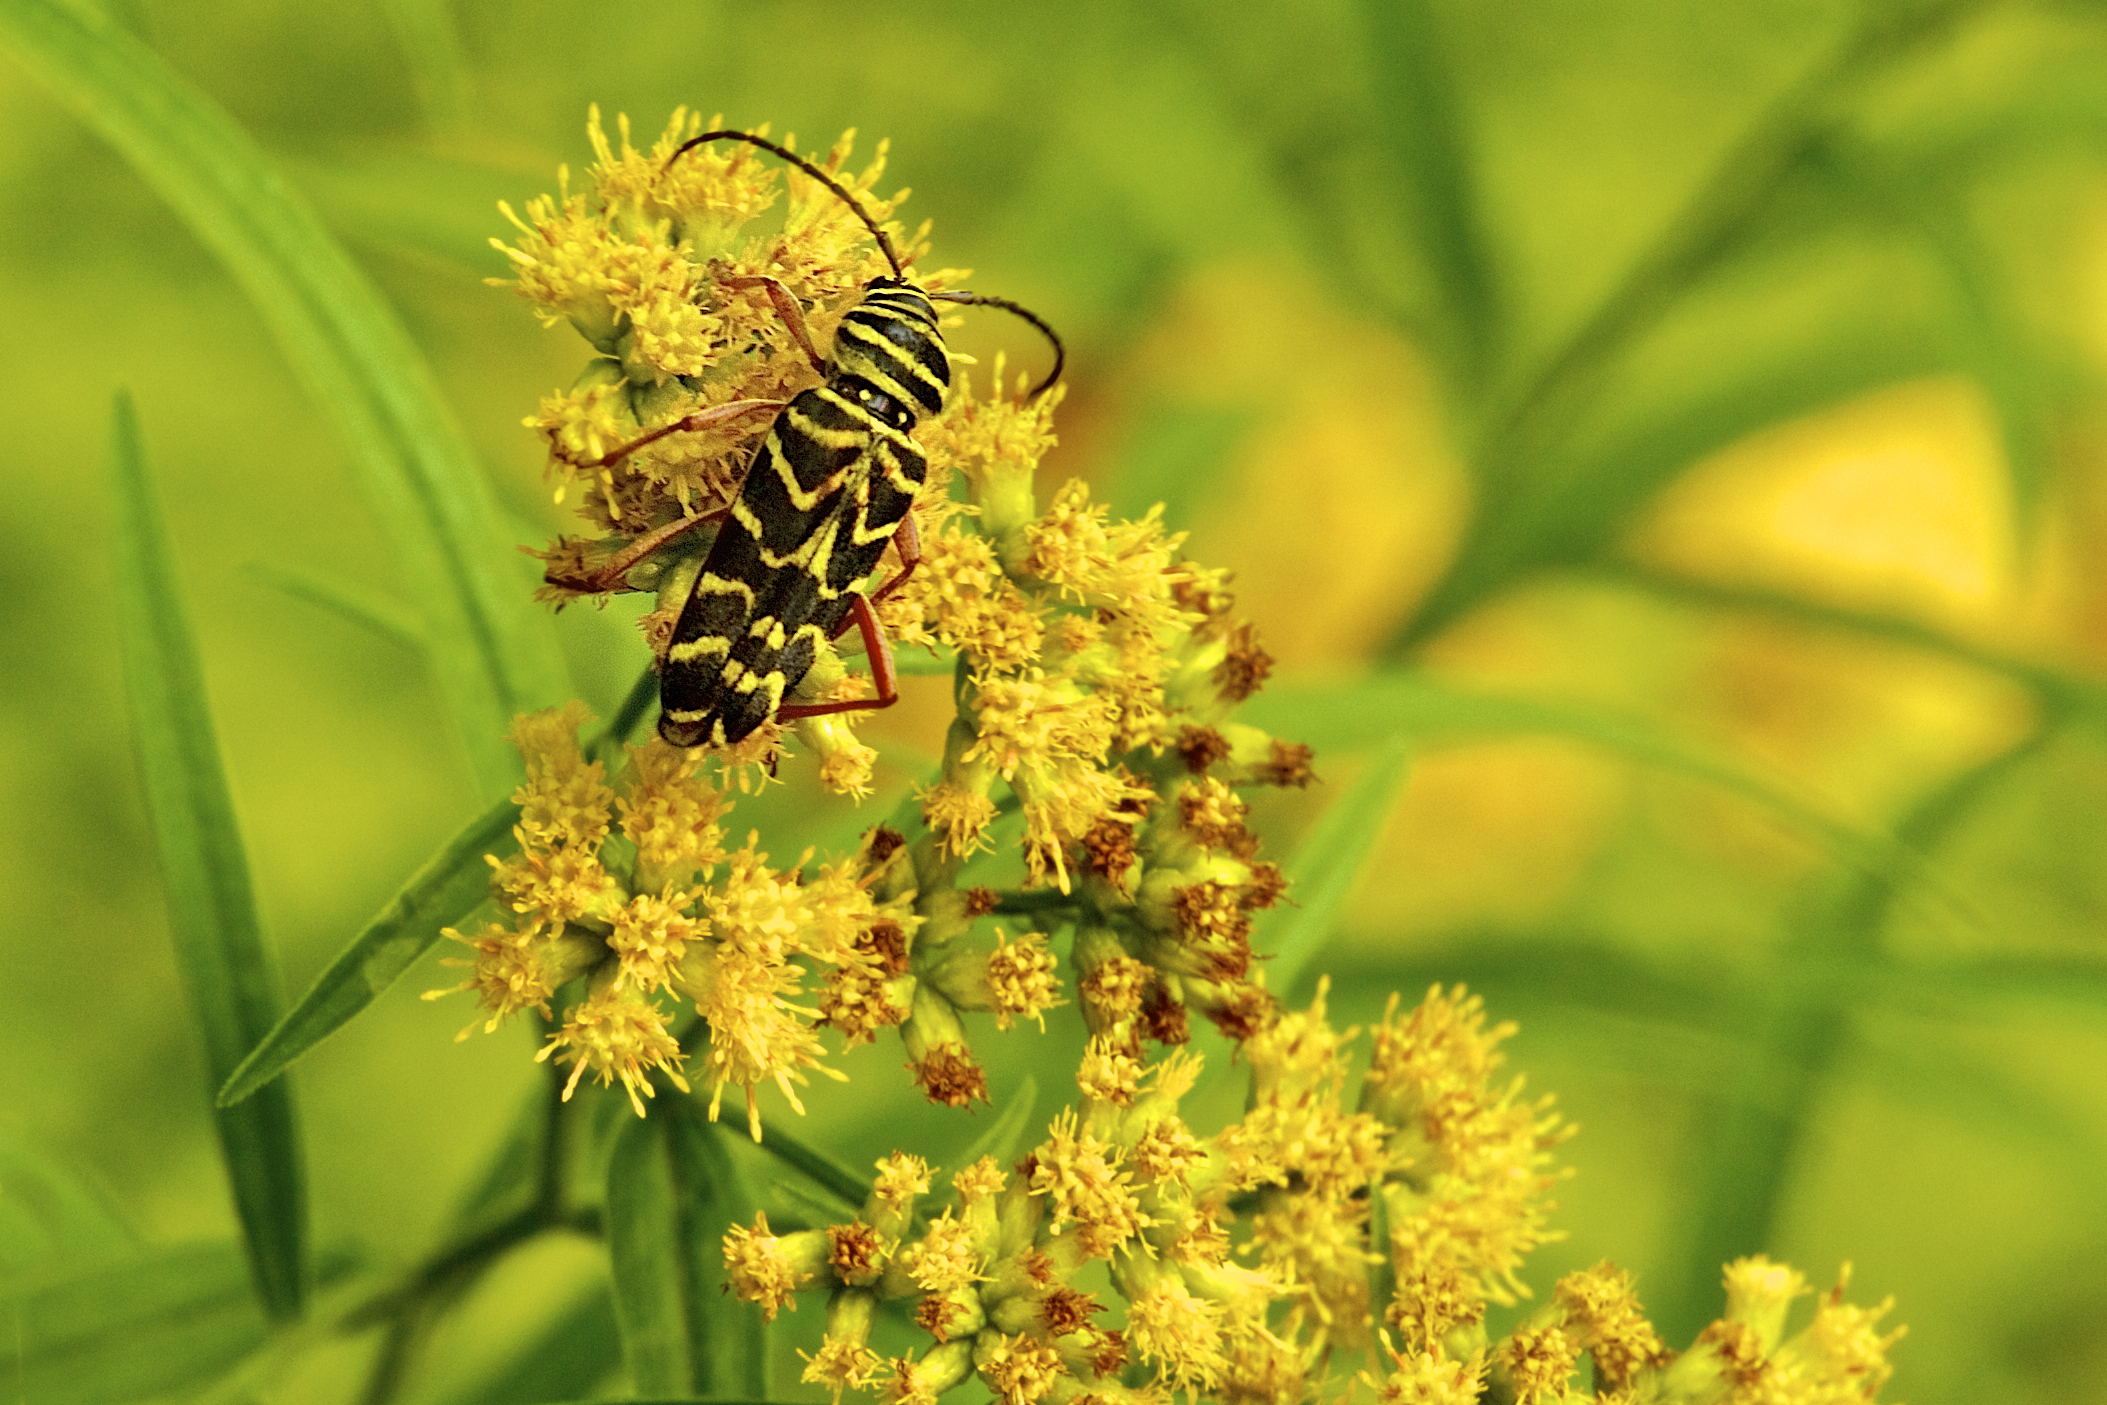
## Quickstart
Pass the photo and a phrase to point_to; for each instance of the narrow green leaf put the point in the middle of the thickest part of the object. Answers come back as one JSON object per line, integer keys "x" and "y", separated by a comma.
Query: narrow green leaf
{"x": 364, "y": 608}
{"x": 146, "y": 1326}
{"x": 1400, "y": 702}
{"x": 649, "y": 1261}
{"x": 727, "y": 1341}
{"x": 2072, "y": 694}
{"x": 1576, "y": 504}
{"x": 568, "y": 1358}
{"x": 1003, "y": 1134}
{"x": 1761, "y": 1120}
{"x": 491, "y": 648}
{"x": 50, "y": 1216}
{"x": 1990, "y": 343}
{"x": 922, "y": 663}
{"x": 822, "y": 1169}
{"x": 431, "y": 44}
{"x": 452, "y": 883}
{"x": 1419, "y": 127}
{"x": 211, "y": 909}
{"x": 1327, "y": 864}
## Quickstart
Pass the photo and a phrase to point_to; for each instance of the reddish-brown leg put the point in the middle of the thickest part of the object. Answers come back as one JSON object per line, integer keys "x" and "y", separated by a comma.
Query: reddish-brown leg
{"x": 609, "y": 576}
{"x": 880, "y": 652}
{"x": 786, "y": 308}
{"x": 686, "y": 424}
{"x": 909, "y": 543}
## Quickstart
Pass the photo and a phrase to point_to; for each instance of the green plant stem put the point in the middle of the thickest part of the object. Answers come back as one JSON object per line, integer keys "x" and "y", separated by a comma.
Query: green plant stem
{"x": 405, "y": 1309}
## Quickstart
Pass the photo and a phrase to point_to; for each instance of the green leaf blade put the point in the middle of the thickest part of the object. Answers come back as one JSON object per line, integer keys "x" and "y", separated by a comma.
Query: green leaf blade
{"x": 1326, "y": 865}
{"x": 211, "y": 907}
{"x": 491, "y": 649}
{"x": 142, "y": 1327}
{"x": 648, "y": 1259}
{"x": 452, "y": 883}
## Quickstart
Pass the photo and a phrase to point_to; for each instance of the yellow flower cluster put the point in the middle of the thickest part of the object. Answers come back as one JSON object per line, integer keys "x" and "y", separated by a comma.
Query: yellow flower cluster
{"x": 656, "y": 267}
{"x": 1243, "y": 1260}
{"x": 652, "y": 911}
{"x": 1082, "y": 640}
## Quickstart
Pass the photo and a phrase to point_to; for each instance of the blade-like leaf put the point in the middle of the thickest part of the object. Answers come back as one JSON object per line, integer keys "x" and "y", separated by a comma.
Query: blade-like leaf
{"x": 449, "y": 886}
{"x": 490, "y": 647}
{"x": 1322, "y": 873}
{"x": 1576, "y": 505}
{"x": 1001, "y": 1138}
{"x": 648, "y": 1256}
{"x": 1419, "y": 127}
{"x": 1416, "y": 705}
{"x": 141, "y": 1328}
{"x": 727, "y": 1341}
{"x": 211, "y": 910}
{"x": 571, "y": 1356}
{"x": 366, "y": 609}
{"x": 49, "y": 1216}
{"x": 823, "y": 1169}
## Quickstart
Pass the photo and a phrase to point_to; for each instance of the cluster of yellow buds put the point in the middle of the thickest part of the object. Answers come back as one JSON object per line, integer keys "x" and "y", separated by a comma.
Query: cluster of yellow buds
{"x": 639, "y": 911}
{"x": 1097, "y": 673}
{"x": 1244, "y": 1260}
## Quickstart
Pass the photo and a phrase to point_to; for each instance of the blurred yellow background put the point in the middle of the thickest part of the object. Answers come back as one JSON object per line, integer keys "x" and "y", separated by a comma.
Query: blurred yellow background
{"x": 1794, "y": 546}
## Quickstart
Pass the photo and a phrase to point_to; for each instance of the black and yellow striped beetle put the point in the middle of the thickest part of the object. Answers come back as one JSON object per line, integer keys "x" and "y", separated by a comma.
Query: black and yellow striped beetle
{"x": 832, "y": 482}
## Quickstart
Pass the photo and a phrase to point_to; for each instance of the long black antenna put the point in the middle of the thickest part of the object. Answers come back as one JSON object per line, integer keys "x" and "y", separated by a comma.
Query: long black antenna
{"x": 1053, "y": 338}
{"x": 885, "y": 245}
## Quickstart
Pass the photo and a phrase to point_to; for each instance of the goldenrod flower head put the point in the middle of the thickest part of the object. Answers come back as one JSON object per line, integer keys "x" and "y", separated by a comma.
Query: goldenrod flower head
{"x": 1021, "y": 979}
{"x": 756, "y": 1033}
{"x": 1167, "y": 1151}
{"x": 983, "y": 1180}
{"x": 841, "y": 1364}
{"x": 1603, "y": 1312}
{"x": 1434, "y": 1295}
{"x": 651, "y": 936}
{"x": 1085, "y": 1184}
{"x": 511, "y": 972}
{"x": 555, "y": 887}
{"x": 1443, "y": 1044}
{"x": 1758, "y": 1294}
{"x": 1537, "y": 1361}
{"x": 617, "y": 1033}
{"x": 1320, "y": 1243}
{"x": 1178, "y": 1333}
{"x": 759, "y": 1269}
{"x": 901, "y": 1178}
{"x": 758, "y": 910}
{"x": 1112, "y": 991}
{"x": 1840, "y": 1358}
{"x": 945, "y": 1258}
{"x": 958, "y": 816}
{"x": 1020, "y": 1370}
{"x": 564, "y": 801}
{"x": 857, "y": 1253}
{"x": 671, "y": 814}
{"x": 1423, "y": 1377}
{"x": 1110, "y": 1072}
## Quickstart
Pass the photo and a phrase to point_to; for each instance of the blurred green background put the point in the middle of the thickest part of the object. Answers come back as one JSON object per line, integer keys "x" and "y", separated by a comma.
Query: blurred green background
{"x": 1683, "y": 423}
